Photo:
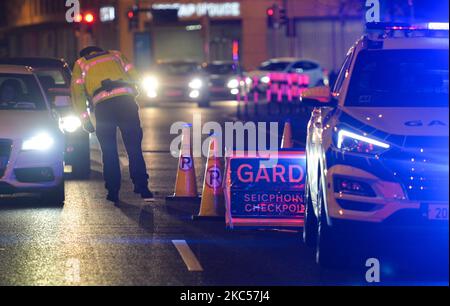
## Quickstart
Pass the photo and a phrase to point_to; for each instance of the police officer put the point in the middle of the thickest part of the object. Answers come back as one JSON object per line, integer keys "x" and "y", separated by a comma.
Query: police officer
{"x": 105, "y": 80}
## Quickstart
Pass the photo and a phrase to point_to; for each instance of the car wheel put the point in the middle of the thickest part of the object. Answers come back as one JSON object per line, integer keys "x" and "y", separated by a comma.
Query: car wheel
{"x": 204, "y": 103}
{"x": 310, "y": 227}
{"x": 330, "y": 245}
{"x": 55, "y": 196}
{"x": 81, "y": 168}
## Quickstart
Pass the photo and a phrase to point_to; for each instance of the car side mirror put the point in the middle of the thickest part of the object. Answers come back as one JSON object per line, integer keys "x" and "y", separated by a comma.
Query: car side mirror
{"x": 61, "y": 101}
{"x": 319, "y": 96}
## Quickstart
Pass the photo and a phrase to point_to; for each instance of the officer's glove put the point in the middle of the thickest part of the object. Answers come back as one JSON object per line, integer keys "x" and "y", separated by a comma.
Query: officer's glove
{"x": 88, "y": 127}
{"x": 87, "y": 123}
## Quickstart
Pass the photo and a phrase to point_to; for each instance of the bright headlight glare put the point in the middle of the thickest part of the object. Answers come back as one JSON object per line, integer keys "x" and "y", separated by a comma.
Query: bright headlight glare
{"x": 40, "y": 142}
{"x": 265, "y": 79}
{"x": 196, "y": 84}
{"x": 150, "y": 83}
{"x": 351, "y": 142}
{"x": 70, "y": 124}
{"x": 233, "y": 83}
{"x": 194, "y": 94}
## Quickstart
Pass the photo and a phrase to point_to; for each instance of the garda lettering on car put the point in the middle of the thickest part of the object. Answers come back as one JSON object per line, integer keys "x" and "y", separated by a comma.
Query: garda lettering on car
{"x": 261, "y": 191}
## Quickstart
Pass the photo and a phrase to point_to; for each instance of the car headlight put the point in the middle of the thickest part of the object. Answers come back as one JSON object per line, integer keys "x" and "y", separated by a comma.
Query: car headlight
{"x": 233, "y": 83}
{"x": 40, "y": 142}
{"x": 265, "y": 80}
{"x": 196, "y": 84}
{"x": 351, "y": 142}
{"x": 150, "y": 83}
{"x": 70, "y": 124}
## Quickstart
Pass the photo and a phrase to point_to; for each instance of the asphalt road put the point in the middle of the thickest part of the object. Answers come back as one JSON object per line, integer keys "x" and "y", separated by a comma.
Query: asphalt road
{"x": 92, "y": 242}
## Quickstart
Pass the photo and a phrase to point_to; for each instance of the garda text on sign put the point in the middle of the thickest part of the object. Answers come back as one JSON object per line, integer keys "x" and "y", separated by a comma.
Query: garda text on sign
{"x": 263, "y": 194}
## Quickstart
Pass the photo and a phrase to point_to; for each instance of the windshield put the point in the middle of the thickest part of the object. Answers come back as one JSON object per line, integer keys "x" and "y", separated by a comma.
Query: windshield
{"x": 220, "y": 69}
{"x": 400, "y": 78}
{"x": 20, "y": 91}
{"x": 178, "y": 68}
{"x": 52, "y": 78}
{"x": 274, "y": 66}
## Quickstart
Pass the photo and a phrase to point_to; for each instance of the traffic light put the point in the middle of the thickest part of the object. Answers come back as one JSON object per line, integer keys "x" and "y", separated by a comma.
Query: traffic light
{"x": 84, "y": 21}
{"x": 133, "y": 18}
{"x": 282, "y": 16}
{"x": 271, "y": 16}
{"x": 276, "y": 17}
{"x": 89, "y": 20}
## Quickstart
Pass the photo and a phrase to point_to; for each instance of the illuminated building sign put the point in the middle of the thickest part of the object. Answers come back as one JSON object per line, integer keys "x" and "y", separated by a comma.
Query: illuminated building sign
{"x": 213, "y": 9}
{"x": 107, "y": 13}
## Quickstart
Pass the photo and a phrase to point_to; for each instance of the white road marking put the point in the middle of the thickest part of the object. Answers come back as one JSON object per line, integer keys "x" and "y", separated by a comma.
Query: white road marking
{"x": 72, "y": 274}
{"x": 187, "y": 255}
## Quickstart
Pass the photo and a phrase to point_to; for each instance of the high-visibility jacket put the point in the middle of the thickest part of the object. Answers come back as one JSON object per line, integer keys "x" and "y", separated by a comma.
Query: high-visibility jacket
{"x": 89, "y": 72}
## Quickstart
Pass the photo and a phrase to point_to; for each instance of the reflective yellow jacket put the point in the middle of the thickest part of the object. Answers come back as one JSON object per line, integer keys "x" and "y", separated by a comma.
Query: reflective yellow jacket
{"x": 89, "y": 72}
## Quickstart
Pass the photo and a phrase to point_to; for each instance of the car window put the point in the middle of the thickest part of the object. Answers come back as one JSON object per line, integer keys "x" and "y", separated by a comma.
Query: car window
{"x": 400, "y": 78}
{"x": 274, "y": 66}
{"x": 220, "y": 69}
{"x": 342, "y": 73}
{"x": 53, "y": 77}
{"x": 304, "y": 66}
{"x": 20, "y": 92}
{"x": 178, "y": 68}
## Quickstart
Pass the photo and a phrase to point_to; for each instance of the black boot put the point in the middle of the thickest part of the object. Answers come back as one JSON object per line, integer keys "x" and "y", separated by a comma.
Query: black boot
{"x": 145, "y": 193}
{"x": 113, "y": 196}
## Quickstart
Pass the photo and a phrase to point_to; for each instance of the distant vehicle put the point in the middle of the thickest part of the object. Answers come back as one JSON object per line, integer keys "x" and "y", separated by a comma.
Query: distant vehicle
{"x": 226, "y": 79}
{"x": 31, "y": 142}
{"x": 378, "y": 146}
{"x": 55, "y": 77}
{"x": 311, "y": 68}
{"x": 177, "y": 81}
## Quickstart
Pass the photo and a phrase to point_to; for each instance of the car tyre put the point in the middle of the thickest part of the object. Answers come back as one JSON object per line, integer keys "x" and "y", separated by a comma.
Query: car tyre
{"x": 310, "y": 226}
{"x": 204, "y": 104}
{"x": 82, "y": 167}
{"x": 330, "y": 251}
{"x": 55, "y": 196}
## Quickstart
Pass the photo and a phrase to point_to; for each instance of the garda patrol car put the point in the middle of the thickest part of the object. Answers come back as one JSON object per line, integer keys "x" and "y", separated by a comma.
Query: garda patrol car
{"x": 378, "y": 145}
{"x": 31, "y": 142}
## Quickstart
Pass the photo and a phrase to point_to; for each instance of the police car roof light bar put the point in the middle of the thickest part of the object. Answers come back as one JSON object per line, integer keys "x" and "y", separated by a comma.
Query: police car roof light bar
{"x": 438, "y": 26}
{"x": 386, "y": 26}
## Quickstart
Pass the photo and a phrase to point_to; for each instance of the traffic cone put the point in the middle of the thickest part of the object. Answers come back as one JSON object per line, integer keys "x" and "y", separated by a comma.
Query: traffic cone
{"x": 286, "y": 142}
{"x": 186, "y": 183}
{"x": 212, "y": 206}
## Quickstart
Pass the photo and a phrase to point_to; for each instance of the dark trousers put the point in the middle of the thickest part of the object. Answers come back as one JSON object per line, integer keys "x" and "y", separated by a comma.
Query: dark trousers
{"x": 120, "y": 112}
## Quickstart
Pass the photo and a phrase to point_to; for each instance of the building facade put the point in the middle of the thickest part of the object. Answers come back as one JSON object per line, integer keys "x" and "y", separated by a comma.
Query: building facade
{"x": 206, "y": 30}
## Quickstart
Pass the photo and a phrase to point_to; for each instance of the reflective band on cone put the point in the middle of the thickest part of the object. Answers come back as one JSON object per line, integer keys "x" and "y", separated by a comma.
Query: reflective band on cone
{"x": 186, "y": 183}
{"x": 286, "y": 142}
{"x": 212, "y": 206}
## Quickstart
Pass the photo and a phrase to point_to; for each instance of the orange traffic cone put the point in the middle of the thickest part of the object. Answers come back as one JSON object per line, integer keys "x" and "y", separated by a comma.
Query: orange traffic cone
{"x": 286, "y": 142}
{"x": 213, "y": 202}
{"x": 186, "y": 183}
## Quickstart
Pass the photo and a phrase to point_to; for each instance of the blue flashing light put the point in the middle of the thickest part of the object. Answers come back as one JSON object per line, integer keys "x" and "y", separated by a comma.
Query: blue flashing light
{"x": 442, "y": 26}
